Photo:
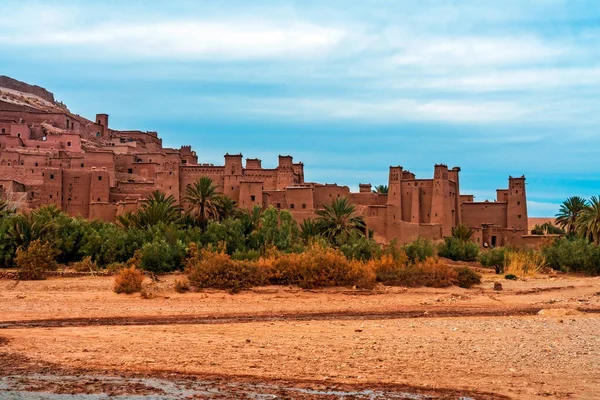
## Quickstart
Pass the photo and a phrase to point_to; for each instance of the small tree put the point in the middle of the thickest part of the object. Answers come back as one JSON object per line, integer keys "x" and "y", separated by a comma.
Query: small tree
{"x": 34, "y": 261}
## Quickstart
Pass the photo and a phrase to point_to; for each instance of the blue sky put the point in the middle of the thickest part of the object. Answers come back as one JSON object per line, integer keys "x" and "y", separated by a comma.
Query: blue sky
{"x": 348, "y": 87}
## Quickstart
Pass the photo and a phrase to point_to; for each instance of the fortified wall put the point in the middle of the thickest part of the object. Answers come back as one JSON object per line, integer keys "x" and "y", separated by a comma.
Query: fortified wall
{"x": 51, "y": 156}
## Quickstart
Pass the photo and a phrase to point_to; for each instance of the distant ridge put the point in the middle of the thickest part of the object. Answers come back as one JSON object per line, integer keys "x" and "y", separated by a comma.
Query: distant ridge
{"x": 13, "y": 84}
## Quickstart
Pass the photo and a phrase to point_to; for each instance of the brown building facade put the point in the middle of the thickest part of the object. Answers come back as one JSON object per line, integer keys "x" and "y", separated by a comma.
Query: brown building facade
{"x": 50, "y": 156}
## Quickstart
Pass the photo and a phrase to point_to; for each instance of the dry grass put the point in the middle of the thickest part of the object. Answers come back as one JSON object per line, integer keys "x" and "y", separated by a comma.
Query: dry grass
{"x": 85, "y": 265}
{"x": 128, "y": 280}
{"x": 182, "y": 285}
{"x": 521, "y": 263}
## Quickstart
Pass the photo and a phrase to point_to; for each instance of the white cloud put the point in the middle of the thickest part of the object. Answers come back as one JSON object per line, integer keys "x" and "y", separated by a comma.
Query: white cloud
{"x": 375, "y": 110}
{"x": 475, "y": 51}
{"x": 185, "y": 39}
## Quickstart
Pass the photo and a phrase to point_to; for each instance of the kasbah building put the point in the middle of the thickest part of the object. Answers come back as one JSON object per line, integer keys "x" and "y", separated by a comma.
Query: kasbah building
{"x": 50, "y": 156}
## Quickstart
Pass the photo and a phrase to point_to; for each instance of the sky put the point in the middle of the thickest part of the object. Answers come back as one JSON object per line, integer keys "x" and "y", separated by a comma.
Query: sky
{"x": 348, "y": 87}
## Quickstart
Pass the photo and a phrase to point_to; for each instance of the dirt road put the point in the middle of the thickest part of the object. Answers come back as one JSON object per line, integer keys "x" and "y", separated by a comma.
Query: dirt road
{"x": 536, "y": 338}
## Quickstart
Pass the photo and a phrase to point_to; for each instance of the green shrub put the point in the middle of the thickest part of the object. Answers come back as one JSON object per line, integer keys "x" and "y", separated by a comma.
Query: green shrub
{"x": 511, "y": 277}
{"x": 159, "y": 256}
{"x": 458, "y": 250}
{"x": 493, "y": 258}
{"x": 573, "y": 255}
{"x": 466, "y": 277}
{"x": 245, "y": 255}
{"x": 420, "y": 250}
{"x": 360, "y": 248}
{"x": 34, "y": 261}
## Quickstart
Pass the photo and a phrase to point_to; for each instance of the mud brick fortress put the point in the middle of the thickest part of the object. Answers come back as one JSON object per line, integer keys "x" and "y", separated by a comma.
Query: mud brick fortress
{"x": 49, "y": 155}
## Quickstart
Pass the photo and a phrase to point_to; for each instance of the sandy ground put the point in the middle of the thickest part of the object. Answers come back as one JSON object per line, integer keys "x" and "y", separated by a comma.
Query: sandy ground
{"x": 536, "y": 338}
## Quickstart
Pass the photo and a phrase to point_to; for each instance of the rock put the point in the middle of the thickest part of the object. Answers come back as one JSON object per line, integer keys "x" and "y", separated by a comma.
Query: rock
{"x": 497, "y": 286}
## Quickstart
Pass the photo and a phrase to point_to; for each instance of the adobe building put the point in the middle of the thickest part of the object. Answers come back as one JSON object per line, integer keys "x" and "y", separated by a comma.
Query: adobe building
{"x": 49, "y": 155}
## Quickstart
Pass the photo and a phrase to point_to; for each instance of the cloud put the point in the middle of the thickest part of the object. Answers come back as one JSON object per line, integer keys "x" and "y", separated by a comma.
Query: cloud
{"x": 475, "y": 51}
{"x": 372, "y": 110}
{"x": 188, "y": 39}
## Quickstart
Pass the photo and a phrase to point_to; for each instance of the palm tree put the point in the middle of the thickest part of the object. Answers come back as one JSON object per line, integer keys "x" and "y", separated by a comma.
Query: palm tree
{"x": 225, "y": 207}
{"x": 201, "y": 198}
{"x": 4, "y": 210}
{"x": 25, "y": 228}
{"x": 462, "y": 232}
{"x": 156, "y": 208}
{"x": 588, "y": 221}
{"x": 251, "y": 219}
{"x": 381, "y": 189}
{"x": 308, "y": 229}
{"x": 339, "y": 220}
{"x": 569, "y": 212}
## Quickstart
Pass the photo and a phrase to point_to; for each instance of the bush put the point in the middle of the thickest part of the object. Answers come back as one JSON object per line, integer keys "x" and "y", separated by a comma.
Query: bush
{"x": 209, "y": 269}
{"x": 388, "y": 270}
{"x": 319, "y": 266}
{"x": 573, "y": 255}
{"x": 34, "y": 261}
{"x": 511, "y": 277}
{"x": 466, "y": 277}
{"x": 430, "y": 272}
{"x": 159, "y": 256}
{"x": 493, "y": 258}
{"x": 458, "y": 250}
{"x": 523, "y": 262}
{"x": 419, "y": 250}
{"x": 85, "y": 265}
{"x": 437, "y": 274}
{"x": 182, "y": 285}
{"x": 360, "y": 248}
{"x": 128, "y": 280}
{"x": 246, "y": 255}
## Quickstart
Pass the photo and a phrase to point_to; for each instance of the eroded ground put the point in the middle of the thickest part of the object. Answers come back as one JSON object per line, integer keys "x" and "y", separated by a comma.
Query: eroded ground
{"x": 536, "y": 338}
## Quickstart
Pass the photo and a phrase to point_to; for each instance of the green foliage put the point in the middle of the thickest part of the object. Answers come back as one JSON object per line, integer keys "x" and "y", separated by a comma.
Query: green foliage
{"x": 511, "y": 277}
{"x": 35, "y": 260}
{"x": 462, "y": 232}
{"x": 466, "y": 277}
{"x": 157, "y": 208}
{"x": 308, "y": 230}
{"x": 569, "y": 212}
{"x": 277, "y": 229}
{"x": 547, "y": 229}
{"x": 159, "y": 256}
{"x": 573, "y": 255}
{"x": 420, "y": 250}
{"x": 336, "y": 222}
{"x": 201, "y": 200}
{"x": 381, "y": 189}
{"x": 458, "y": 250}
{"x": 358, "y": 247}
{"x": 588, "y": 220}
{"x": 245, "y": 255}
{"x": 493, "y": 258}
{"x": 228, "y": 233}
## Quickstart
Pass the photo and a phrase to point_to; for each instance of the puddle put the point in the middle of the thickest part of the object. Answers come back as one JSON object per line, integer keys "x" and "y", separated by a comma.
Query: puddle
{"x": 92, "y": 387}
